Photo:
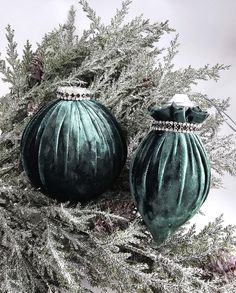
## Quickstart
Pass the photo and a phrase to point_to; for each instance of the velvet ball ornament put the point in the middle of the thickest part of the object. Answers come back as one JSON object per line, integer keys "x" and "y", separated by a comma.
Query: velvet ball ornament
{"x": 170, "y": 171}
{"x": 73, "y": 148}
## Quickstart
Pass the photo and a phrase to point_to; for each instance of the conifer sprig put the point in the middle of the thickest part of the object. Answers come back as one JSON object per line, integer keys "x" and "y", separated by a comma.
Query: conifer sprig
{"x": 46, "y": 246}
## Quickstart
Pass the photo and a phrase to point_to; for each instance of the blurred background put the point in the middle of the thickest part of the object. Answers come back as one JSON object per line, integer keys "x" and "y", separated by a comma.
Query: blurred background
{"x": 207, "y": 35}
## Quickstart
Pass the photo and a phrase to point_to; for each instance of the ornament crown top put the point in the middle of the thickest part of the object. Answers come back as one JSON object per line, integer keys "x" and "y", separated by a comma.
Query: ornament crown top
{"x": 180, "y": 110}
{"x": 70, "y": 93}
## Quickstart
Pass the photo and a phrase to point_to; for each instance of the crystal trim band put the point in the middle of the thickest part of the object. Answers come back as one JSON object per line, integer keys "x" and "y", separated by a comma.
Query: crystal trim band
{"x": 176, "y": 126}
{"x": 73, "y": 93}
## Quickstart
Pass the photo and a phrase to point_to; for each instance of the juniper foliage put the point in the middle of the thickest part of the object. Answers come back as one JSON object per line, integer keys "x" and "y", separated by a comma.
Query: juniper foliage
{"x": 47, "y": 246}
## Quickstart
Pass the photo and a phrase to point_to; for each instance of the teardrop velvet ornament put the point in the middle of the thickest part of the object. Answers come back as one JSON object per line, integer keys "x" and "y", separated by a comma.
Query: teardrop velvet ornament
{"x": 170, "y": 170}
{"x": 73, "y": 148}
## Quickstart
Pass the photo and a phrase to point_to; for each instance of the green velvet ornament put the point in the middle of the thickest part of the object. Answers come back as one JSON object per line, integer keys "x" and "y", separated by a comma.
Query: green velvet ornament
{"x": 73, "y": 149}
{"x": 170, "y": 171}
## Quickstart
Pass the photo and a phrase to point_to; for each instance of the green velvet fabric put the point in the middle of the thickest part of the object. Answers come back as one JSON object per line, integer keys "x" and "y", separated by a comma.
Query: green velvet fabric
{"x": 73, "y": 150}
{"x": 170, "y": 173}
{"x": 179, "y": 114}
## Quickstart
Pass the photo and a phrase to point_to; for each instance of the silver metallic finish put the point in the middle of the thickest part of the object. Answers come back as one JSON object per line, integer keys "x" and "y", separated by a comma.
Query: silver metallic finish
{"x": 73, "y": 93}
{"x": 176, "y": 126}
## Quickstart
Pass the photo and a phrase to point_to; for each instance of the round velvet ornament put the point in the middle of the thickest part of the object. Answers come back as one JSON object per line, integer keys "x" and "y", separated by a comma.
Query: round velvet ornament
{"x": 73, "y": 148}
{"x": 170, "y": 170}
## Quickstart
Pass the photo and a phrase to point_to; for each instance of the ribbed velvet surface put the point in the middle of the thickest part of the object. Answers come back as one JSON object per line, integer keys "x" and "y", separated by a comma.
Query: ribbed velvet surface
{"x": 169, "y": 179}
{"x": 74, "y": 150}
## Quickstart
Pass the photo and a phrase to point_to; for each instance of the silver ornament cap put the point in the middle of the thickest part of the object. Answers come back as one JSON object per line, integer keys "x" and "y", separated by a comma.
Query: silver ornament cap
{"x": 73, "y": 93}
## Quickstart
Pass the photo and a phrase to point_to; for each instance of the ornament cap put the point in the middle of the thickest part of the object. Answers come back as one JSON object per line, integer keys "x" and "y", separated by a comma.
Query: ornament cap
{"x": 180, "y": 100}
{"x": 179, "y": 109}
{"x": 73, "y": 93}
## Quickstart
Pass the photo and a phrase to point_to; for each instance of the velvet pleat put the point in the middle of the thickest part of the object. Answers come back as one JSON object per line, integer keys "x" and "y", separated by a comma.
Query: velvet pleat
{"x": 169, "y": 180}
{"x": 73, "y": 149}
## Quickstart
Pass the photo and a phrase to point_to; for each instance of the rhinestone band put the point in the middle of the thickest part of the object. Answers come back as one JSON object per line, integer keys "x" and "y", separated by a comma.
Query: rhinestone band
{"x": 176, "y": 126}
{"x": 73, "y": 93}
{"x": 73, "y": 97}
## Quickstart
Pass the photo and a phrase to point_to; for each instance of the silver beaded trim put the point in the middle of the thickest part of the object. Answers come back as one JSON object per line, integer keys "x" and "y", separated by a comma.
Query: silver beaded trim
{"x": 73, "y": 97}
{"x": 73, "y": 93}
{"x": 176, "y": 126}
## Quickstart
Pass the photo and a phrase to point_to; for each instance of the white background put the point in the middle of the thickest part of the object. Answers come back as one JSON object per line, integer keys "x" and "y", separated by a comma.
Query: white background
{"x": 207, "y": 31}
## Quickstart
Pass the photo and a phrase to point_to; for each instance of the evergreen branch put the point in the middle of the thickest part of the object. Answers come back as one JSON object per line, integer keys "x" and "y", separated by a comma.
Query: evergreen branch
{"x": 118, "y": 19}
{"x": 70, "y": 28}
{"x": 47, "y": 246}
{"x": 12, "y": 55}
{"x": 91, "y": 14}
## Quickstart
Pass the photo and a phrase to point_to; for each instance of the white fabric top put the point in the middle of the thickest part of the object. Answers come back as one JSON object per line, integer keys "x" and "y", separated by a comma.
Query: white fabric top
{"x": 181, "y": 100}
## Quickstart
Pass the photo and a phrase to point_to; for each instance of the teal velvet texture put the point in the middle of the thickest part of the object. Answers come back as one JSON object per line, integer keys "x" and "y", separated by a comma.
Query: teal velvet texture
{"x": 170, "y": 173}
{"x": 73, "y": 150}
{"x": 179, "y": 114}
